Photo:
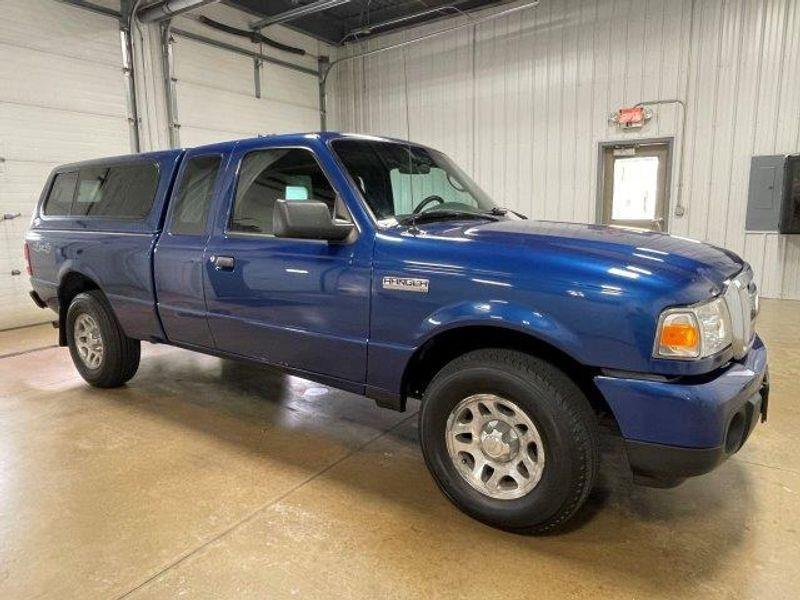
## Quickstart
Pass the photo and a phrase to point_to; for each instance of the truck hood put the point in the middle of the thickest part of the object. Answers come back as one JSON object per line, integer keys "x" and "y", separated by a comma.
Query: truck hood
{"x": 639, "y": 248}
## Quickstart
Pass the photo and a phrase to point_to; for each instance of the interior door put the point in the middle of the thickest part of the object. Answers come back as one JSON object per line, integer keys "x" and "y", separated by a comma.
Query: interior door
{"x": 178, "y": 259}
{"x": 298, "y": 303}
{"x": 634, "y": 184}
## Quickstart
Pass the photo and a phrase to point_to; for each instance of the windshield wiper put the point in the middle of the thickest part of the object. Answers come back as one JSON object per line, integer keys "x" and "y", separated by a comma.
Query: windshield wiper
{"x": 502, "y": 211}
{"x": 436, "y": 215}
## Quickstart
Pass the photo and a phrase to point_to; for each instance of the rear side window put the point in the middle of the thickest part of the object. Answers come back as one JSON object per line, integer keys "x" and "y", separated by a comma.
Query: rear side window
{"x": 268, "y": 175}
{"x": 124, "y": 191}
{"x": 194, "y": 196}
{"x": 59, "y": 200}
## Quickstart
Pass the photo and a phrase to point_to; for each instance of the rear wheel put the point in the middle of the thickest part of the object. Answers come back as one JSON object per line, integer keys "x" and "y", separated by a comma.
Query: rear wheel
{"x": 510, "y": 440}
{"x": 104, "y": 356}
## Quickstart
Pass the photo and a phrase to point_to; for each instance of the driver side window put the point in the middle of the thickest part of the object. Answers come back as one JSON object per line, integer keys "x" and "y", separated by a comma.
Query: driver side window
{"x": 267, "y": 175}
{"x": 410, "y": 190}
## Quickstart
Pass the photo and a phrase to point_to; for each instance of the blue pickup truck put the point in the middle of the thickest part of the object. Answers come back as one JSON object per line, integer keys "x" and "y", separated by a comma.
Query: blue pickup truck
{"x": 379, "y": 267}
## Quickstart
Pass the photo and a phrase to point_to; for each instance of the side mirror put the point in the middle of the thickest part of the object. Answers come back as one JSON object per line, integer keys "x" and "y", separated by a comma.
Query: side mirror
{"x": 307, "y": 219}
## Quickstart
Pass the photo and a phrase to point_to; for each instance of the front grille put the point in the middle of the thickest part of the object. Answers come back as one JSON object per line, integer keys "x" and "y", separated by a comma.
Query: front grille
{"x": 741, "y": 296}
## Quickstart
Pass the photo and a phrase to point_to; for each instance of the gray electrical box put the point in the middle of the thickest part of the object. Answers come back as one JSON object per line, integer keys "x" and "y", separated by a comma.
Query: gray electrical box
{"x": 773, "y": 199}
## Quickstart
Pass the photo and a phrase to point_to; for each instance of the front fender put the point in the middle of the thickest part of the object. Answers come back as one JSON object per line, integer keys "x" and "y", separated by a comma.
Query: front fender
{"x": 387, "y": 362}
{"x": 497, "y": 313}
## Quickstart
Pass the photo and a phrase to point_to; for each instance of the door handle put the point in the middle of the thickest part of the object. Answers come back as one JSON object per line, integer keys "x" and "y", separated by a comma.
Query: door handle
{"x": 222, "y": 263}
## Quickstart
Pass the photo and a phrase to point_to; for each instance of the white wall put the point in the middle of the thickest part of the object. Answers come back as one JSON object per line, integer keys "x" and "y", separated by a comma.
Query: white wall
{"x": 62, "y": 99}
{"x": 523, "y": 105}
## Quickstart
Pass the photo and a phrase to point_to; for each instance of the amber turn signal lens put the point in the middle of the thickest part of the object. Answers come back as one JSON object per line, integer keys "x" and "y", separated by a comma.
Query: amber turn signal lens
{"x": 679, "y": 335}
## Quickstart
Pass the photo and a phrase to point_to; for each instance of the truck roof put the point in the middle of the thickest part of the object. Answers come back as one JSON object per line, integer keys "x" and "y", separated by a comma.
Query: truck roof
{"x": 296, "y": 138}
{"x": 282, "y": 138}
{"x": 157, "y": 156}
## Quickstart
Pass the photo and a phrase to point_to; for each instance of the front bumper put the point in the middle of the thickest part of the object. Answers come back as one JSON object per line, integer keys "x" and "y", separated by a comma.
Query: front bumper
{"x": 678, "y": 430}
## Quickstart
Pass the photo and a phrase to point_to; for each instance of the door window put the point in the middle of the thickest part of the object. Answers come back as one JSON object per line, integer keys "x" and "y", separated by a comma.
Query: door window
{"x": 635, "y": 189}
{"x": 278, "y": 173}
{"x": 634, "y": 185}
{"x": 194, "y": 196}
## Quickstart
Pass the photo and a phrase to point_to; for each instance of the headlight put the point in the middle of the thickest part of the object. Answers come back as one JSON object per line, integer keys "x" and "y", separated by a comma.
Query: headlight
{"x": 694, "y": 331}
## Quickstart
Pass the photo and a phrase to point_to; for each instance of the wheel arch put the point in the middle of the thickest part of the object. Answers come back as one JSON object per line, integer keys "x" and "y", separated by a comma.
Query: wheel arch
{"x": 72, "y": 283}
{"x": 447, "y": 345}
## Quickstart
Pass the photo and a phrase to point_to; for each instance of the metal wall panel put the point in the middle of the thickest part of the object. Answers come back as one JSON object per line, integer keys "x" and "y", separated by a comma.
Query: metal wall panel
{"x": 543, "y": 82}
{"x": 62, "y": 99}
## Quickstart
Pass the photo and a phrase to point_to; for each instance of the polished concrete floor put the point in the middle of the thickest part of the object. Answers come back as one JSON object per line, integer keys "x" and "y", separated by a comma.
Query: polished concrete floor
{"x": 204, "y": 478}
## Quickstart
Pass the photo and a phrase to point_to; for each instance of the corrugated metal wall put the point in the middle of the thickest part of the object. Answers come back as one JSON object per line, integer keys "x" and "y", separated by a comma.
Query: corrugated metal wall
{"x": 522, "y": 102}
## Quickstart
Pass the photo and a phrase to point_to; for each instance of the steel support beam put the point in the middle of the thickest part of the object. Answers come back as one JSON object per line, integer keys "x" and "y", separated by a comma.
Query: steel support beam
{"x": 441, "y": 10}
{"x": 257, "y": 76}
{"x": 323, "y": 64}
{"x": 168, "y": 9}
{"x": 169, "y": 86}
{"x": 130, "y": 88}
{"x": 296, "y": 13}
{"x": 96, "y": 8}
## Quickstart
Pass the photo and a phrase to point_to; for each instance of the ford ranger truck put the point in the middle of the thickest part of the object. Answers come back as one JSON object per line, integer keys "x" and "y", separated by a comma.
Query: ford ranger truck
{"x": 379, "y": 267}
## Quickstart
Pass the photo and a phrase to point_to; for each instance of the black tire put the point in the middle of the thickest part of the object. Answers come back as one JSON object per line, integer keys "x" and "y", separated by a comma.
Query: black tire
{"x": 120, "y": 358}
{"x": 561, "y": 414}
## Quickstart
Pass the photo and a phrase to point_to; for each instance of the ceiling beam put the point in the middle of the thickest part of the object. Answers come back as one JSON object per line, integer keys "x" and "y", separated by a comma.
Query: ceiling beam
{"x": 296, "y": 13}
{"x": 97, "y": 8}
{"x": 168, "y": 9}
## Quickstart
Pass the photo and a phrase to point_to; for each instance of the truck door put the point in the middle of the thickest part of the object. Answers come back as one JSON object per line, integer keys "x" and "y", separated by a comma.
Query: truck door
{"x": 298, "y": 303}
{"x": 178, "y": 258}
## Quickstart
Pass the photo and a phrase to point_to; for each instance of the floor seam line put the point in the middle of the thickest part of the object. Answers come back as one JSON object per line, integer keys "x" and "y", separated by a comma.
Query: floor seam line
{"x": 766, "y": 466}
{"x": 31, "y": 351}
{"x": 246, "y": 519}
{"x": 32, "y": 325}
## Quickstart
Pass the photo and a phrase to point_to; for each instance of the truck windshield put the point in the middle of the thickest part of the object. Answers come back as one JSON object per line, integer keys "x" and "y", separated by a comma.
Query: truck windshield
{"x": 398, "y": 180}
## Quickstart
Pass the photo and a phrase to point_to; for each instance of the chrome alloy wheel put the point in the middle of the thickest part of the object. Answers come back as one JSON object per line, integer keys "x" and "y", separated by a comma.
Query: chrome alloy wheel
{"x": 495, "y": 446}
{"x": 88, "y": 340}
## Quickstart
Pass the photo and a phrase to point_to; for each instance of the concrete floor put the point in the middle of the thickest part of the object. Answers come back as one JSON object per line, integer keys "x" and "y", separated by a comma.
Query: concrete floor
{"x": 206, "y": 478}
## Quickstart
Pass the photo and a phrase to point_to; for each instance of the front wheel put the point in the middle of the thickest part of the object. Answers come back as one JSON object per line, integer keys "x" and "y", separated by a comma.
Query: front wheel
{"x": 509, "y": 439}
{"x": 104, "y": 356}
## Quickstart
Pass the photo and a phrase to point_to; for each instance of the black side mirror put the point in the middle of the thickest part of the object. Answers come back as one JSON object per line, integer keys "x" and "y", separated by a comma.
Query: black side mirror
{"x": 307, "y": 219}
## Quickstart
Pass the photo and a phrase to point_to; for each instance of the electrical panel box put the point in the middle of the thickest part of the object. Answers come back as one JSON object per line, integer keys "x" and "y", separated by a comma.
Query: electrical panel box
{"x": 773, "y": 199}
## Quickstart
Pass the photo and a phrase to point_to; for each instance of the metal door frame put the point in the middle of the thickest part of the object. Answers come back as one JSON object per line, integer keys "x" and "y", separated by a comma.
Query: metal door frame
{"x": 603, "y": 146}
